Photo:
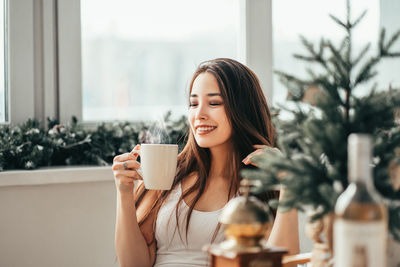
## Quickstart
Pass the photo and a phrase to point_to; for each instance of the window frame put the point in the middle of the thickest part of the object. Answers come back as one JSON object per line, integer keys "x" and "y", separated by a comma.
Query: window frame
{"x": 31, "y": 52}
{"x": 45, "y": 69}
{"x": 19, "y": 52}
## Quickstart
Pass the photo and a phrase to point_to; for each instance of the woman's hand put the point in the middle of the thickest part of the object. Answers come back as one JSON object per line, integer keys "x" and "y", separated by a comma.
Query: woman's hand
{"x": 258, "y": 151}
{"x": 125, "y": 168}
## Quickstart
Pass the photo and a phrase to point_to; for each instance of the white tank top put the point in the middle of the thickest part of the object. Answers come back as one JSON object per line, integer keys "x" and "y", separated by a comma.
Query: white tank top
{"x": 172, "y": 249}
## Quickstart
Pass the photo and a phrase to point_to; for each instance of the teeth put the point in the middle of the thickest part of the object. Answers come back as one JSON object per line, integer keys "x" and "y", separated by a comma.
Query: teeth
{"x": 204, "y": 129}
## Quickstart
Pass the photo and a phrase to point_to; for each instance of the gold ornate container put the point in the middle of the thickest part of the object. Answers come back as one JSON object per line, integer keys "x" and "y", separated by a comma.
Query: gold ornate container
{"x": 246, "y": 221}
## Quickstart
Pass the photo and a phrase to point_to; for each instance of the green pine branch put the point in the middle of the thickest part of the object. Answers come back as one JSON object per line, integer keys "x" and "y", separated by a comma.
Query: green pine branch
{"x": 313, "y": 164}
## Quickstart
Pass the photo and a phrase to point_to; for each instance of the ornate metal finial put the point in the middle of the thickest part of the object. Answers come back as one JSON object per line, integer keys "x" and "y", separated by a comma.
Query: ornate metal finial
{"x": 246, "y": 220}
{"x": 246, "y": 185}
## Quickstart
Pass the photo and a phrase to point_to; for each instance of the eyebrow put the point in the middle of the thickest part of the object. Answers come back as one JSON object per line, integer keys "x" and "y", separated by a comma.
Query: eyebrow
{"x": 210, "y": 94}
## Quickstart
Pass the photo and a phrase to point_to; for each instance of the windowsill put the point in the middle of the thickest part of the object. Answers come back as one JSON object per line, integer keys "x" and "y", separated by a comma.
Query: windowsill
{"x": 56, "y": 175}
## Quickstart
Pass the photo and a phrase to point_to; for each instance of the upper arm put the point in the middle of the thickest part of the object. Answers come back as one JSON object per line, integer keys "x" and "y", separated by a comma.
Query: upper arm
{"x": 152, "y": 253}
{"x": 285, "y": 232}
{"x": 147, "y": 230}
{"x": 147, "y": 224}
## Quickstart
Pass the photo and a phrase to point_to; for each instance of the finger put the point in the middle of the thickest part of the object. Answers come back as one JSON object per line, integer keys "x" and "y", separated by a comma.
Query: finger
{"x": 132, "y": 164}
{"x": 123, "y": 165}
{"x": 259, "y": 146}
{"x": 254, "y": 164}
{"x": 257, "y": 152}
{"x": 247, "y": 160}
{"x": 124, "y": 157}
{"x": 130, "y": 174}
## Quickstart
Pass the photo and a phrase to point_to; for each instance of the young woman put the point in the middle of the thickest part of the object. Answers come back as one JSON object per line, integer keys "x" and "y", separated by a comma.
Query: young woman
{"x": 229, "y": 118}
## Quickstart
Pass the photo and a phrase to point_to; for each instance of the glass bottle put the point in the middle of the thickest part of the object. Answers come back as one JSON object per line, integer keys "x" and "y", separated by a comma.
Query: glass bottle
{"x": 360, "y": 226}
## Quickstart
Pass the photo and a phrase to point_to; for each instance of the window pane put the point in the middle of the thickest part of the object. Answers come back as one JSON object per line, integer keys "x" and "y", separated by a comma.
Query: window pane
{"x": 389, "y": 69}
{"x": 3, "y": 87}
{"x": 310, "y": 18}
{"x": 138, "y": 56}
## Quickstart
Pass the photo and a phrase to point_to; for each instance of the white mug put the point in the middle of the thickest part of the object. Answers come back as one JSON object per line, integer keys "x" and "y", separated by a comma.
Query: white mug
{"x": 157, "y": 165}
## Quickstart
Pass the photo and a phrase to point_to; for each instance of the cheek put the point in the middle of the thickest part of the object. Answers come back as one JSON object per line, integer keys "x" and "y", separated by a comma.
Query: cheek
{"x": 228, "y": 130}
{"x": 225, "y": 123}
{"x": 224, "y": 119}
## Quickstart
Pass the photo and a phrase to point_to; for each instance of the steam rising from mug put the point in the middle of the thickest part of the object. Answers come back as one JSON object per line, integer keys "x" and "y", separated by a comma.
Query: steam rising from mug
{"x": 156, "y": 134}
{"x": 158, "y": 158}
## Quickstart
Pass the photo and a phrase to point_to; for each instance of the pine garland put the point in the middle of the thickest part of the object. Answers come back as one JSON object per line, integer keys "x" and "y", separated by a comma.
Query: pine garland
{"x": 312, "y": 165}
{"x": 29, "y": 146}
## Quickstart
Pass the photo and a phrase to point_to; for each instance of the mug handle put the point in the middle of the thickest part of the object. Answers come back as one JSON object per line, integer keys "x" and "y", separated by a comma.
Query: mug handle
{"x": 139, "y": 171}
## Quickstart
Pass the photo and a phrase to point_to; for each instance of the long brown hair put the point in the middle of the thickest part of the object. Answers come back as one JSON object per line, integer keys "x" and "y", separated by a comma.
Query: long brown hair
{"x": 249, "y": 115}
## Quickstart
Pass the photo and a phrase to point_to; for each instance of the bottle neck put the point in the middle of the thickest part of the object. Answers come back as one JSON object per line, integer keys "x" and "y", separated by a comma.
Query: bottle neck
{"x": 359, "y": 159}
{"x": 361, "y": 174}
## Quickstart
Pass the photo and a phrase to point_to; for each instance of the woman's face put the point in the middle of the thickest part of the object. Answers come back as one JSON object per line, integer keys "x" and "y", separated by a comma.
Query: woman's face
{"x": 207, "y": 116}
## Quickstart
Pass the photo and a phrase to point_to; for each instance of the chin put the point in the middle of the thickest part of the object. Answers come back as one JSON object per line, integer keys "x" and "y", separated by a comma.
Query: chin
{"x": 204, "y": 144}
{"x": 209, "y": 144}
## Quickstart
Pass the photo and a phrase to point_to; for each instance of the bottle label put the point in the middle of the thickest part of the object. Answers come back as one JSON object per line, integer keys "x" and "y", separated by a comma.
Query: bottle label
{"x": 359, "y": 244}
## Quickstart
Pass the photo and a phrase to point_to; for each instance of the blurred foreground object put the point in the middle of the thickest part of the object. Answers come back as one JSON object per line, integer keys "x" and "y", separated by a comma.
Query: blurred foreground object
{"x": 247, "y": 223}
{"x": 360, "y": 227}
{"x": 338, "y": 100}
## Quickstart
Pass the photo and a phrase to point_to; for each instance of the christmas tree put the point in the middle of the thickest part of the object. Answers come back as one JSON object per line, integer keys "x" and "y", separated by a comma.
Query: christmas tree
{"x": 312, "y": 164}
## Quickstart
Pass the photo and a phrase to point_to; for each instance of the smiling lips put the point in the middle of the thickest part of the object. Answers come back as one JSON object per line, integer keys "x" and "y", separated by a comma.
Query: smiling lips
{"x": 204, "y": 129}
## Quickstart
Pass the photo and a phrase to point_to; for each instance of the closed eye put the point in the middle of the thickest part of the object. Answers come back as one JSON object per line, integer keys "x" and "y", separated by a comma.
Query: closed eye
{"x": 211, "y": 104}
{"x": 215, "y": 103}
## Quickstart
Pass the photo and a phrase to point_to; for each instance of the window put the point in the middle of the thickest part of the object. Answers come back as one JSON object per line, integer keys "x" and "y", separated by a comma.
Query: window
{"x": 129, "y": 60}
{"x": 310, "y": 18}
{"x": 389, "y": 19}
{"x": 138, "y": 56}
{"x": 3, "y": 87}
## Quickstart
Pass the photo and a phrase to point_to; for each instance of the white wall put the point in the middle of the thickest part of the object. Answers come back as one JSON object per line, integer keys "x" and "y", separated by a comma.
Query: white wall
{"x": 63, "y": 217}
{"x": 58, "y": 224}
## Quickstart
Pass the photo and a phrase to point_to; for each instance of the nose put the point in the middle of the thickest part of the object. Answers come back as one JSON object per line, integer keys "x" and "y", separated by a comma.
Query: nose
{"x": 202, "y": 112}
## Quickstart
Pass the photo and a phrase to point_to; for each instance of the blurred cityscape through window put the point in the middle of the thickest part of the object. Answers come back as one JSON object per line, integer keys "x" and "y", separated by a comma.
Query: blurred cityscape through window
{"x": 310, "y": 18}
{"x": 138, "y": 56}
